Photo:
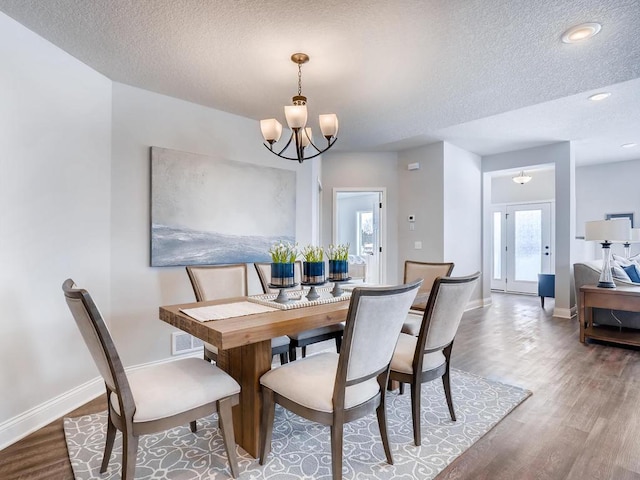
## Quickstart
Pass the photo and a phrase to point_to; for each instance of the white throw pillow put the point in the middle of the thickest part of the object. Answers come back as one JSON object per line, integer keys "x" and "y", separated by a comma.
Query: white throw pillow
{"x": 618, "y": 272}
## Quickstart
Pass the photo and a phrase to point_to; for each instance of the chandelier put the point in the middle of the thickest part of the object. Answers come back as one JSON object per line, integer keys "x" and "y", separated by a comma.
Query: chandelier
{"x": 521, "y": 178}
{"x": 301, "y": 136}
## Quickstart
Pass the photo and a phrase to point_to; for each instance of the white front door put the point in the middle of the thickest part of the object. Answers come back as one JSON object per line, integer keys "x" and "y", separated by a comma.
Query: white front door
{"x": 522, "y": 247}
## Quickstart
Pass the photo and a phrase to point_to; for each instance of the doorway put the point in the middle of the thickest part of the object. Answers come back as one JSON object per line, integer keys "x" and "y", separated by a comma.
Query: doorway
{"x": 522, "y": 246}
{"x": 358, "y": 219}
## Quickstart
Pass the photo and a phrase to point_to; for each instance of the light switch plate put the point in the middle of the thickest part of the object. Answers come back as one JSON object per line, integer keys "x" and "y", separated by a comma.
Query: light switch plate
{"x": 417, "y": 245}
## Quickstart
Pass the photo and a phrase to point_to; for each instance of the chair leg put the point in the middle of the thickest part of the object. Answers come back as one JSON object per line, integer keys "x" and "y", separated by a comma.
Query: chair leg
{"x": 416, "y": 388}
{"x": 338, "y": 343}
{"x": 381, "y": 413}
{"x": 108, "y": 446}
{"x": 266, "y": 423}
{"x": 337, "y": 433}
{"x": 194, "y": 427}
{"x": 225, "y": 422}
{"x": 129, "y": 455}
{"x": 284, "y": 358}
{"x": 401, "y": 388}
{"x": 542, "y": 301}
{"x": 446, "y": 382}
{"x": 447, "y": 392}
{"x": 292, "y": 354}
{"x": 304, "y": 352}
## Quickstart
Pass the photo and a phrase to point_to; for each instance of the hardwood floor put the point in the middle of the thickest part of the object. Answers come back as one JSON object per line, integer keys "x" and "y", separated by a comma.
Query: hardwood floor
{"x": 582, "y": 421}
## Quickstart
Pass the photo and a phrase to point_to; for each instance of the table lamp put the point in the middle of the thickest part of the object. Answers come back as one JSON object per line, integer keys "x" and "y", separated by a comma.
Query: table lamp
{"x": 635, "y": 238}
{"x": 605, "y": 232}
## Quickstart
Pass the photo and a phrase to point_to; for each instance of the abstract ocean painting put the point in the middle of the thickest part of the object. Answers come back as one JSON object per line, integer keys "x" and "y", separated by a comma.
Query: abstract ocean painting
{"x": 207, "y": 210}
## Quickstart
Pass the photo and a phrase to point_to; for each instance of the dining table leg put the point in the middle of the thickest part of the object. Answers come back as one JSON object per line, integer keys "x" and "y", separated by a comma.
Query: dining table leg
{"x": 247, "y": 364}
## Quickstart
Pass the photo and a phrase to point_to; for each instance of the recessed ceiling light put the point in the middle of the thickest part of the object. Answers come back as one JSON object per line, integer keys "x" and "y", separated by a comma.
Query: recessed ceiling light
{"x": 596, "y": 97}
{"x": 581, "y": 32}
{"x": 629, "y": 145}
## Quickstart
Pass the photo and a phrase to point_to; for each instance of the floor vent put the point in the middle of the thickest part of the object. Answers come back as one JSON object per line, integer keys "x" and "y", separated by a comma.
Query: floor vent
{"x": 182, "y": 343}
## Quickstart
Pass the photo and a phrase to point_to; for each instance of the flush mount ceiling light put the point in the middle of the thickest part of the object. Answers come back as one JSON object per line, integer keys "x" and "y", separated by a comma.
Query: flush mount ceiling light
{"x": 596, "y": 97}
{"x": 629, "y": 145}
{"x": 522, "y": 178}
{"x": 301, "y": 136}
{"x": 581, "y": 32}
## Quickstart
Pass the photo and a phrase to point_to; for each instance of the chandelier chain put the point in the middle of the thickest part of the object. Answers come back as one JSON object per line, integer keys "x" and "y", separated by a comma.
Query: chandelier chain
{"x": 299, "y": 79}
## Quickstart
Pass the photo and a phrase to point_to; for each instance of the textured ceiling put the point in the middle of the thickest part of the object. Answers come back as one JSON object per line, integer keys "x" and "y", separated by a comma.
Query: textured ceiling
{"x": 486, "y": 75}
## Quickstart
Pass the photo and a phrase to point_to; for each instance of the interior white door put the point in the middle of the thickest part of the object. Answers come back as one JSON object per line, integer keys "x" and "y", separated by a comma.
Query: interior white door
{"x": 528, "y": 246}
{"x": 358, "y": 221}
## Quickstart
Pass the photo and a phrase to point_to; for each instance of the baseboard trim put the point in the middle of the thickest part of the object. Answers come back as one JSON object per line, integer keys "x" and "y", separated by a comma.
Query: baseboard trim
{"x": 480, "y": 303}
{"x": 18, "y": 427}
{"x": 37, "y": 417}
{"x": 567, "y": 313}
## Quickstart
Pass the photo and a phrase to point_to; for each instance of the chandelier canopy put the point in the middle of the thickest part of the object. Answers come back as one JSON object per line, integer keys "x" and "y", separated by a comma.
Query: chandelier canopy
{"x": 296, "y": 114}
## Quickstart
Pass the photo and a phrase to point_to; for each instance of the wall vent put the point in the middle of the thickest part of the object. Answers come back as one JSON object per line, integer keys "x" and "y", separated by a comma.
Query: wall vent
{"x": 182, "y": 343}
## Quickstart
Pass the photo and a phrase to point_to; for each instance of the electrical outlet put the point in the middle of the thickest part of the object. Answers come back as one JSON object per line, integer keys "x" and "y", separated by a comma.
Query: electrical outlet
{"x": 417, "y": 245}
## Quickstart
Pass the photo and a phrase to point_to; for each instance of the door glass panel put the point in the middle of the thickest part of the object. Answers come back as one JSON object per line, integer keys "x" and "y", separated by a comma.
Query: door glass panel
{"x": 497, "y": 245}
{"x": 365, "y": 233}
{"x": 528, "y": 244}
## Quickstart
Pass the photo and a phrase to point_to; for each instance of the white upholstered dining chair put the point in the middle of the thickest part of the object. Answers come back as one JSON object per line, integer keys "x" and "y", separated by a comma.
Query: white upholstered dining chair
{"x": 334, "y": 389}
{"x": 307, "y": 337}
{"x": 428, "y": 272}
{"x": 153, "y": 398}
{"x": 426, "y": 357}
{"x": 216, "y": 282}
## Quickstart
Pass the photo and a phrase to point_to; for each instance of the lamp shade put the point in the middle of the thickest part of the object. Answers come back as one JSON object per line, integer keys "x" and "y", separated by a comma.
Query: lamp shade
{"x": 615, "y": 230}
{"x": 296, "y": 115}
{"x": 328, "y": 124}
{"x": 635, "y": 235}
{"x": 271, "y": 129}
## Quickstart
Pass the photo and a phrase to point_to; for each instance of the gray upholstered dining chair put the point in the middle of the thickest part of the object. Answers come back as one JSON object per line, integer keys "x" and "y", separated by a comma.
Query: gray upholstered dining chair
{"x": 153, "y": 398}
{"x": 216, "y": 282}
{"x": 428, "y": 272}
{"x": 307, "y": 337}
{"x": 427, "y": 357}
{"x": 334, "y": 389}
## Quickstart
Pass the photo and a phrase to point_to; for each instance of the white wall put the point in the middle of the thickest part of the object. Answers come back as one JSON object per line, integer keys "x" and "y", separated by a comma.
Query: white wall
{"x": 602, "y": 189}
{"x": 142, "y": 119}
{"x": 462, "y": 211}
{"x": 55, "y": 188}
{"x": 363, "y": 170}
{"x": 421, "y": 194}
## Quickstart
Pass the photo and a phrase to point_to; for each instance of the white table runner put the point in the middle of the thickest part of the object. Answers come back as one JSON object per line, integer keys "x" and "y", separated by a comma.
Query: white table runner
{"x": 227, "y": 310}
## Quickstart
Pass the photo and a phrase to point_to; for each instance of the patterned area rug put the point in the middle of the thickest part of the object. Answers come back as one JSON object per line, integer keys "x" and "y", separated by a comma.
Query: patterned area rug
{"x": 301, "y": 449}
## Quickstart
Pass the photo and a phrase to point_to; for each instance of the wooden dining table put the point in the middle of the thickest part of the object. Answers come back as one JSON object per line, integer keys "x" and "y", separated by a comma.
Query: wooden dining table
{"x": 244, "y": 349}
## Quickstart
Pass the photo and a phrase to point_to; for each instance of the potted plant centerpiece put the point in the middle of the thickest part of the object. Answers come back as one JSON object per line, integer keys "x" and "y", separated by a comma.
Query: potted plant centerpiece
{"x": 338, "y": 264}
{"x": 313, "y": 265}
{"x": 283, "y": 256}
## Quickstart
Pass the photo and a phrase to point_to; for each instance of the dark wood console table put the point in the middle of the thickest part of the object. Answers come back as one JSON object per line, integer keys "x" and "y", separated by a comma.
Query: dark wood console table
{"x": 620, "y": 298}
